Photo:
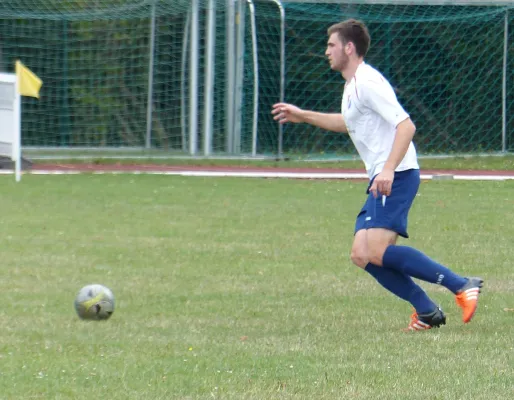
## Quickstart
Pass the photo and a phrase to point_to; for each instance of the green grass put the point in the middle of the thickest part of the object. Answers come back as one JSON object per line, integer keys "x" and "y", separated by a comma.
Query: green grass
{"x": 242, "y": 289}
{"x": 469, "y": 162}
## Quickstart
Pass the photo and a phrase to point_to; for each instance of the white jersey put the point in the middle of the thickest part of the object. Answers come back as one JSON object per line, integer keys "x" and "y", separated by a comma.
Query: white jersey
{"x": 371, "y": 112}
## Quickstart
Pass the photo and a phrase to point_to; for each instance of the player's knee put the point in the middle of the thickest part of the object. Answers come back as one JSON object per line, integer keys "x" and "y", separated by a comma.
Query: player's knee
{"x": 378, "y": 241}
{"x": 376, "y": 254}
{"x": 359, "y": 258}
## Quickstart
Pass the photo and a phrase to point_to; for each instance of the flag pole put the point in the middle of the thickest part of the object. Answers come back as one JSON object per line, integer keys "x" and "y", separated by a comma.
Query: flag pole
{"x": 27, "y": 84}
{"x": 16, "y": 148}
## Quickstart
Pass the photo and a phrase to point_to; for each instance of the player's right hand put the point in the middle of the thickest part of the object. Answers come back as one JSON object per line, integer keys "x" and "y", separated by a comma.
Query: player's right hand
{"x": 284, "y": 112}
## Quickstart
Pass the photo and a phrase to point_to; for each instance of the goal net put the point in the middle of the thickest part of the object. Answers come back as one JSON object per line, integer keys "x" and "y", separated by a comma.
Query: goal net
{"x": 170, "y": 75}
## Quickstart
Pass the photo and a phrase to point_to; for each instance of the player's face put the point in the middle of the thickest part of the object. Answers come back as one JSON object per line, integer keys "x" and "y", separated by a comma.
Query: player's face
{"x": 336, "y": 53}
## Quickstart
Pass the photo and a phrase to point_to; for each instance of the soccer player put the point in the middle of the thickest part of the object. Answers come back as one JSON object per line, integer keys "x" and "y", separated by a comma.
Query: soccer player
{"x": 382, "y": 133}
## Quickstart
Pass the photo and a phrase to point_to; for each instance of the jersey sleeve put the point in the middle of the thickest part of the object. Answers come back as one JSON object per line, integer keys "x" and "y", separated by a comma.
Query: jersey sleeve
{"x": 380, "y": 97}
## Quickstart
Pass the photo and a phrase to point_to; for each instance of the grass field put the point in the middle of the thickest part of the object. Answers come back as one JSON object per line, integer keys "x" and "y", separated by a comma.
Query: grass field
{"x": 243, "y": 289}
{"x": 500, "y": 162}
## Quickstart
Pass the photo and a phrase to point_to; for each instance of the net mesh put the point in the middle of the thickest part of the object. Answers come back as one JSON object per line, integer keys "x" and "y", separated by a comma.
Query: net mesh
{"x": 445, "y": 63}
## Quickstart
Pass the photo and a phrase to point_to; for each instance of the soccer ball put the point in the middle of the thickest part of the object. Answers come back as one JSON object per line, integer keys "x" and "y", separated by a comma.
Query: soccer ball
{"x": 94, "y": 302}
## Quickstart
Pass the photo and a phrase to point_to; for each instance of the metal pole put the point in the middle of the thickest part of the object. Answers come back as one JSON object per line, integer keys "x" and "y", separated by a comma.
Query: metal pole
{"x": 229, "y": 106}
{"x": 183, "y": 95}
{"x": 209, "y": 78}
{"x": 65, "y": 111}
{"x": 240, "y": 61}
{"x": 193, "y": 86}
{"x": 282, "y": 69}
{"x": 149, "y": 113}
{"x": 504, "y": 81}
{"x": 255, "y": 79}
{"x": 389, "y": 45}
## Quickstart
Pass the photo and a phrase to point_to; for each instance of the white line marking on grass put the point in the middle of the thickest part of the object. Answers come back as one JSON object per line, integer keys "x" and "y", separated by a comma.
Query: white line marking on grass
{"x": 254, "y": 174}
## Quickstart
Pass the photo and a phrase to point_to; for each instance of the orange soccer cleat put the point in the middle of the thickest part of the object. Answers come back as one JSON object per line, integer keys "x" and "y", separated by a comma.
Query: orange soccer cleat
{"x": 423, "y": 322}
{"x": 467, "y": 298}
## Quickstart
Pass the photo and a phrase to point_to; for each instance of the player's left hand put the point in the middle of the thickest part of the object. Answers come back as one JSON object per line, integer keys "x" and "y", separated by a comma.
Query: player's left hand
{"x": 383, "y": 183}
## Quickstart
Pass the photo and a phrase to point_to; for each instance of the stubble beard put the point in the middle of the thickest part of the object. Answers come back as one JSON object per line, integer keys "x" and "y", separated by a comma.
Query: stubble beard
{"x": 342, "y": 65}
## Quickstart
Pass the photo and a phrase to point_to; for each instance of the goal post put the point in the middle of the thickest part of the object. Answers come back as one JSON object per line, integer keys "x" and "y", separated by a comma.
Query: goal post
{"x": 448, "y": 61}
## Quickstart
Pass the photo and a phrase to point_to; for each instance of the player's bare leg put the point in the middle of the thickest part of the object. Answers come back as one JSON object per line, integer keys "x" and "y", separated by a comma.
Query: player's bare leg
{"x": 427, "y": 314}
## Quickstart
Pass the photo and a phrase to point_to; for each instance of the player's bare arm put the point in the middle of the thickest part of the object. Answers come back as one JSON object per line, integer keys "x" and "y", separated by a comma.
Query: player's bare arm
{"x": 284, "y": 112}
{"x": 404, "y": 134}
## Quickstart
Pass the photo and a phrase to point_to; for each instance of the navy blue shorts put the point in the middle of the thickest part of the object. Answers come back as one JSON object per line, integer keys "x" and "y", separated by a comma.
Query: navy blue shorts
{"x": 393, "y": 215}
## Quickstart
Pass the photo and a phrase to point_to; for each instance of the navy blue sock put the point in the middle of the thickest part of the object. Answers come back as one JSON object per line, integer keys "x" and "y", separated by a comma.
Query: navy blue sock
{"x": 416, "y": 264}
{"x": 402, "y": 286}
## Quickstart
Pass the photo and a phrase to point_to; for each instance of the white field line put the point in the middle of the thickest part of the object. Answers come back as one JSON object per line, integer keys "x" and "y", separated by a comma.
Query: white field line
{"x": 262, "y": 174}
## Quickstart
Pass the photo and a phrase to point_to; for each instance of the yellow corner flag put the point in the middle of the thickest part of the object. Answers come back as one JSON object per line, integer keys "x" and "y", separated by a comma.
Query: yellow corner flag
{"x": 28, "y": 82}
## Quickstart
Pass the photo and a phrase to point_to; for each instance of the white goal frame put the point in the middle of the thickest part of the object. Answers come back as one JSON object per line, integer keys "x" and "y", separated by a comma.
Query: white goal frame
{"x": 499, "y": 3}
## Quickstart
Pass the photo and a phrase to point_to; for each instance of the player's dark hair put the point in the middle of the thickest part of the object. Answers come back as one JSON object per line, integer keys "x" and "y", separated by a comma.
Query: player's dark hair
{"x": 353, "y": 31}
